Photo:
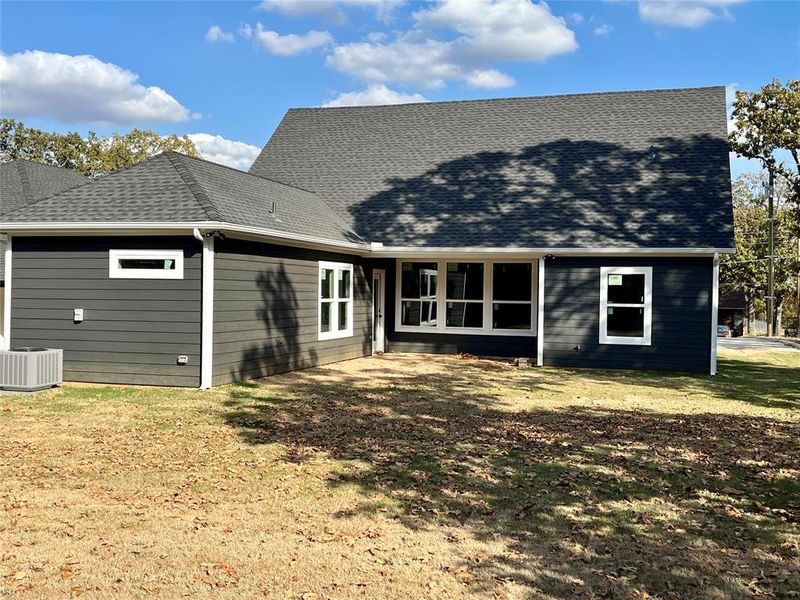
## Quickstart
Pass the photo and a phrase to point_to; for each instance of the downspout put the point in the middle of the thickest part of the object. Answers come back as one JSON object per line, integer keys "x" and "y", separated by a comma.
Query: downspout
{"x": 714, "y": 313}
{"x": 5, "y": 334}
{"x": 207, "y": 299}
{"x": 540, "y": 313}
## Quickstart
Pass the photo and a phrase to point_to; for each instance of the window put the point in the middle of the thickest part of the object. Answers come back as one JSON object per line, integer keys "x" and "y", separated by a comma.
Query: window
{"x": 512, "y": 296}
{"x": 626, "y": 305}
{"x": 335, "y": 300}
{"x": 464, "y": 298}
{"x": 419, "y": 282}
{"x": 145, "y": 264}
{"x": 475, "y": 296}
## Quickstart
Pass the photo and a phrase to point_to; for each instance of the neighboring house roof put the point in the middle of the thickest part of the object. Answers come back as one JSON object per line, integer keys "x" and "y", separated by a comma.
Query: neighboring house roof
{"x": 732, "y": 301}
{"x": 24, "y": 182}
{"x": 628, "y": 169}
{"x": 174, "y": 188}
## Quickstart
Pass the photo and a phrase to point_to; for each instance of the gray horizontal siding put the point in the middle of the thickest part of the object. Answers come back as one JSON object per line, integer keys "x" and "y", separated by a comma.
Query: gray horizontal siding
{"x": 681, "y": 315}
{"x": 266, "y": 314}
{"x": 134, "y": 329}
{"x": 508, "y": 346}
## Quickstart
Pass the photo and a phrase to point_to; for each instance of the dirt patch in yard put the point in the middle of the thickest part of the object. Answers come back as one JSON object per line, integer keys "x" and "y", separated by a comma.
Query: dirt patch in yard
{"x": 410, "y": 477}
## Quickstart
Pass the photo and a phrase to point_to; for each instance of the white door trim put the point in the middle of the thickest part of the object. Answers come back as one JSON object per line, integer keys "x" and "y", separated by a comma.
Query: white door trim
{"x": 379, "y": 326}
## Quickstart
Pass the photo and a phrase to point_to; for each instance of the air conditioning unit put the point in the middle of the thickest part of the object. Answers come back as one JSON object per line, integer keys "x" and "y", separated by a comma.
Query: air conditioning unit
{"x": 30, "y": 369}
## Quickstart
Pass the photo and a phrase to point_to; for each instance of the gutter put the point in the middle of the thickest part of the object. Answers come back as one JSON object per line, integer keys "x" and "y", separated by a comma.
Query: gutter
{"x": 374, "y": 249}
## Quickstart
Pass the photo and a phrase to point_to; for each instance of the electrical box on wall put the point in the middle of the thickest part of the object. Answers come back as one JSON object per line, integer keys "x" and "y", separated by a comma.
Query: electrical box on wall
{"x": 77, "y": 315}
{"x": 183, "y": 359}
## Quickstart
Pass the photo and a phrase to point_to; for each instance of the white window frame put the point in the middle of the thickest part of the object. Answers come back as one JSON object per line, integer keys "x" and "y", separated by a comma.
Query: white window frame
{"x": 533, "y": 301}
{"x": 644, "y": 340}
{"x": 482, "y": 302}
{"x": 116, "y": 272}
{"x": 488, "y": 299}
{"x": 335, "y": 333}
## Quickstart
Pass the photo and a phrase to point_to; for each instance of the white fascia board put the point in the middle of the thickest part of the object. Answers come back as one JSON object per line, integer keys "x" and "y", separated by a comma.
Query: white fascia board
{"x": 165, "y": 228}
{"x": 416, "y": 252}
{"x": 361, "y": 248}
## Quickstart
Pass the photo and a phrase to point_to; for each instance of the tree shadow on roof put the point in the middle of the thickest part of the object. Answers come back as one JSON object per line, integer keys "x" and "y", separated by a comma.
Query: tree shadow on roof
{"x": 564, "y": 193}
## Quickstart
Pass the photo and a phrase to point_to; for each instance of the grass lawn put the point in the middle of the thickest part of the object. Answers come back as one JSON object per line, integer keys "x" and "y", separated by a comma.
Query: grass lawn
{"x": 410, "y": 477}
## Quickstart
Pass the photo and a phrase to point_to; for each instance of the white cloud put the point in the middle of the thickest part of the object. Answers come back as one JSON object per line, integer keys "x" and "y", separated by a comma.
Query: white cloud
{"x": 375, "y": 94}
{"x": 489, "y": 78}
{"x": 502, "y": 29}
{"x": 292, "y": 43}
{"x": 575, "y": 18}
{"x": 424, "y": 63}
{"x": 245, "y": 30}
{"x": 225, "y": 152}
{"x": 684, "y": 13}
{"x": 486, "y": 31}
{"x": 331, "y": 10}
{"x": 603, "y": 30}
{"x": 215, "y": 34}
{"x": 81, "y": 89}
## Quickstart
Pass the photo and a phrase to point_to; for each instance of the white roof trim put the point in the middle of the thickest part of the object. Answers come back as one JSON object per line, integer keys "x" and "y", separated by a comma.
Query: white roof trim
{"x": 365, "y": 248}
{"x": 164, "y": 228}
{"x": 412, "y": 252}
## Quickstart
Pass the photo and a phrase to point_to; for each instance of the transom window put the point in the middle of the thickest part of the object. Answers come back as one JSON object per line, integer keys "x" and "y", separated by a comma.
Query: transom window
{"x": 145, "y": 264}
{"x": 484, "y": 297}
{"x": 626, "y": 305}
{"x": 335, "y": 300}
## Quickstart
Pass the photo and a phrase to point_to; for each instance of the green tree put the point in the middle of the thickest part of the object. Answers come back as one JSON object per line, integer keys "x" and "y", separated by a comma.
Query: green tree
{"x": 768, "y": 121}
{"x": 92, "y": 155}
{"x": 746, "y": 270}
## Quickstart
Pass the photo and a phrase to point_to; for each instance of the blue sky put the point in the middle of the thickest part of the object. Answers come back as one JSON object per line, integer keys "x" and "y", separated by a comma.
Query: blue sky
{"x": 227, "y": 72}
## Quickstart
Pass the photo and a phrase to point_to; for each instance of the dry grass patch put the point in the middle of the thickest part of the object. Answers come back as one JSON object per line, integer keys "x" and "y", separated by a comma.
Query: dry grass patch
{"x": 410, "y": 477}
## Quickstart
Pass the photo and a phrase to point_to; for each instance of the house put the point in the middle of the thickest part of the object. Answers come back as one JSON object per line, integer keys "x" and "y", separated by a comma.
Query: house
{"x": 24, "y": 182}
{"x": 732, "y": 311}
{"x": 580, "y": 230}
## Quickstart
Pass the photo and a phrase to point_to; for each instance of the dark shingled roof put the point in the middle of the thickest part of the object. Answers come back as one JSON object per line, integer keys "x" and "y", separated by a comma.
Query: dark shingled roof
{"x": 23, "y": 182}
{"x": 175, "y": 188}
{"x": 627, "y": 169}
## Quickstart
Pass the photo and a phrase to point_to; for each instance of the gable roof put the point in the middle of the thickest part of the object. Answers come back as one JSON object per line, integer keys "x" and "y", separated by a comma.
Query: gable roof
{"x": 174, "y": 188}
{"x": 627, "y": 169}
{"x": 23, "y": 182}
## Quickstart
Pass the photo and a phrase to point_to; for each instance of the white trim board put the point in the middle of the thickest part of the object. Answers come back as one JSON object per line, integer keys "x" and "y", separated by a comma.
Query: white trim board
{"x": 714, "y": 314}
{"x": 540, "y": 314}
{"x": 359, "y": 248}
{"x": 207, "y": 308}
{"x": 5, "y": 343}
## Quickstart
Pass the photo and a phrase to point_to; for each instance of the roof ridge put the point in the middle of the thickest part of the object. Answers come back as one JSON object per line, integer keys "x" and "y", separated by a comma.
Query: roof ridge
{"x": 332, "y": 208}
{"x": 216, "y": 164}
{"x": 508, "y": 98}
{"x": 28, "y": 161}
{"x": 32, "y": 201}
{"x": 25, "y": 181}
{"x": 203, "y": 199}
